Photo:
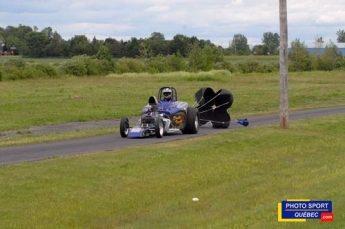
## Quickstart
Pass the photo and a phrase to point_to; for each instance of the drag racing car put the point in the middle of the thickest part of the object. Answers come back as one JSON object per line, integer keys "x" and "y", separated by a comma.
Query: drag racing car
{"x": 162, "y": 115}
{"x": 167, "y": 115}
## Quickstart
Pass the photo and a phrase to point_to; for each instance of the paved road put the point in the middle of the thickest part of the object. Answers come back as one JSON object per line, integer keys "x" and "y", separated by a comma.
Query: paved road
{"x": 15, "y": 154}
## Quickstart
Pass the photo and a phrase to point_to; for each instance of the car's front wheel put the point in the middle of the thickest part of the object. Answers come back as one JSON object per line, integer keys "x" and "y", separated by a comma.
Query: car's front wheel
{"x": 124, "y": 127}
{"x": 159, "y": 127}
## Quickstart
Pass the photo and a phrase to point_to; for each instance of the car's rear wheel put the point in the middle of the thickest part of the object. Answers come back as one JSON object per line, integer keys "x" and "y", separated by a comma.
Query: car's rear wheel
{"x": 192, "y": 121}
{"x": 159, "y": 127}
{"x": 124, "y": 127}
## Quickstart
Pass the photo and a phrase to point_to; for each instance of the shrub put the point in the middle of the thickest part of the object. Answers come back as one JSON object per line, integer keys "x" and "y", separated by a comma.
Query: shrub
{"x": 126, "y": 65}
{"x": 204, "y": 58}
{"x": 249, "y": 66}
{"x": 299, "y": 57}
{"x": 47, "y": 70}
{"x": 196, "y": 59}
{"x": 15, "y": 62}
{"x": 225, "y": 65}
{"x": 269, "y": 67}
{"x": 84, "y": 65}
{"x": 158, "y": 64}
{"x": 75, "y": 66}
{"x": 13, "y": 69}
{"x": 176, "y": 62}
{"x": 331, "y": 59}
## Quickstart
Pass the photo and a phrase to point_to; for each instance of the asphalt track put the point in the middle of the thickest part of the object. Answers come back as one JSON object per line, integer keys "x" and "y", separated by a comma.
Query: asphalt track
{"x": 16, "y": 154}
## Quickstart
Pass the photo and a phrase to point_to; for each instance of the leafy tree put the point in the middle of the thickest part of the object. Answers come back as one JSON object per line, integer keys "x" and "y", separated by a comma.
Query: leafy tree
{"x": 79, "y": 45}
{"x": 132, "y": 48}
{"x": 103, "y": 53}
{"x": 114, "y": 46}
{"x": 158, "y": 44}
{"x": 15, "y": 36}
{"x": 341, "y": 36}
{"x": 55, "y": 46}
{"x": 177, "y": 62}
{"x": 259, "y": 50}
{"x": 180, "y": 43}
{"x": 2, "y": 32}
{"x": 36, "y": 44}
{"x": 203, "y": 58}
{"x": 94, "y": 46}
{"x": 196, "y": 59}
{"x": 145, "y": 50}
{"x": 270, "y": 43}
{"x": 239, "y": 45}
{"x": 299, "y": 56}
{"x": 331, "y": 59}
{"x": 157, "y": 36}
{"x": 49, "y": 32}
{"x": 318, "y": 42}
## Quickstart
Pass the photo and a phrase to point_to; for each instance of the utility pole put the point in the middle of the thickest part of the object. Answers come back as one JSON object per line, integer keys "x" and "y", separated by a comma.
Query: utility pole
{"x": 283, "y": 69}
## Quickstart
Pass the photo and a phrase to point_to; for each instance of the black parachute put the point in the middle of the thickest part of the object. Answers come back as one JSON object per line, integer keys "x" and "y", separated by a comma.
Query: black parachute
{"x": 213, "y": 106}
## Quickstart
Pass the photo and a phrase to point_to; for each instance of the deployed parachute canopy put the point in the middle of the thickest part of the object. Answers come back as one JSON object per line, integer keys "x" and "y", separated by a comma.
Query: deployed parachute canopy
{"x": 213, "y": 106}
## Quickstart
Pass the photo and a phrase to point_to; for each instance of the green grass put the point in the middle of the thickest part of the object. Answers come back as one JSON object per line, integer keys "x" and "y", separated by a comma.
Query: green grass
{"x": 28, "y": 103}
{"x": 239, "y": 177}
{"x": 262, "y": 59}
{"x": 50, "y": 101}
{"x": 24, "y": 138}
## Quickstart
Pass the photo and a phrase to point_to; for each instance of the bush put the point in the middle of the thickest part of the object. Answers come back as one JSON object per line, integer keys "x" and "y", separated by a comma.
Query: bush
{"x": 331, "y": 59}
{"x": 249, "y": 66}
{"x": 47, "y": 70}
{"x": 269, "y": 67}
{"x": 75, "y": 66}
{"x": 15, "y": 62}
{"x": 225, "y": 65}
{"x": 204, "y": 58}
{"x": 84, "y": 65}
{"x": 299, "y": 57}
{"x": 158, "y": 64}
{"x": 14, "y": 68}
{"x": 127, "y": 65}
{"x": 176, "y": 62}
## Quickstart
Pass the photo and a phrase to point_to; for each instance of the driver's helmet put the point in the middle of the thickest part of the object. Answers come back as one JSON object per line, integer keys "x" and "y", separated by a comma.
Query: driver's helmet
{"x": 167, "y": 92}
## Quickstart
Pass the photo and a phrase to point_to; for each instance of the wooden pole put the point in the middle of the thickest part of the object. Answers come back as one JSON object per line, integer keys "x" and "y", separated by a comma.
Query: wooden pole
{"x": 283, "y": 67}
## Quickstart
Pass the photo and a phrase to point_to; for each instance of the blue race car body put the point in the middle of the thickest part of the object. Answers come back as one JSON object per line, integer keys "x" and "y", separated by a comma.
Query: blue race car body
{"x": 160, "y": 117}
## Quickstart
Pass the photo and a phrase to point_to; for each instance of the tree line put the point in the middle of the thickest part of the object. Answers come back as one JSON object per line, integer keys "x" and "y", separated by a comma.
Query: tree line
{"x": 27, "y": 41}
{"x": 152, "y": 55}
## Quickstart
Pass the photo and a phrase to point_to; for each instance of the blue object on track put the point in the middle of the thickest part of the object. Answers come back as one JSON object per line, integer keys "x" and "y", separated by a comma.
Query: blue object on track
{"x": 243, "y": 121}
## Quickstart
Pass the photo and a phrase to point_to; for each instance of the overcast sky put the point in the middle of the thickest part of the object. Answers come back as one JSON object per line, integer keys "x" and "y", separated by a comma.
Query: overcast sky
{"x": 216, "y": 20}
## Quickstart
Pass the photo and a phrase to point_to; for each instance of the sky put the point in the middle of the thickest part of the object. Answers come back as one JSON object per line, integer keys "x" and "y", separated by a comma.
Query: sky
{"x": 217, "y": 20}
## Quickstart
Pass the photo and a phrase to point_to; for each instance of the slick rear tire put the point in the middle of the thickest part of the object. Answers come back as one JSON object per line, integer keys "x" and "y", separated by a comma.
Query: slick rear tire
{"x": 192, "y": 121}
{"x": 124, "y": 127}
{"x": 159, "y": 127}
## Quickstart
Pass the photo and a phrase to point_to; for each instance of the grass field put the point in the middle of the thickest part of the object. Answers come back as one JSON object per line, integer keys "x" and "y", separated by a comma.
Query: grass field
{"x": 232, "y": 59}
{"x": 30, "y": 103}
{"x": 239, "y": 177}
{"x": 40, "y": 102}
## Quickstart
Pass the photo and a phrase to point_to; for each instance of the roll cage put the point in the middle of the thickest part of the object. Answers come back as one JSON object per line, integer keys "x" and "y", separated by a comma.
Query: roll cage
{"x": 173, "y": 96}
